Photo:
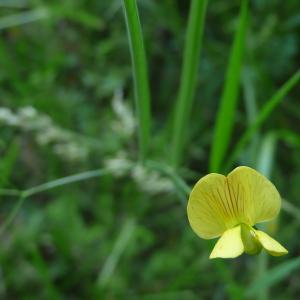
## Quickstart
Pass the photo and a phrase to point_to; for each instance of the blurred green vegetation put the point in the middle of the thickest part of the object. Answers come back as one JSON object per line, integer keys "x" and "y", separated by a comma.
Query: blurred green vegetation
{"x": 121, "y": 231}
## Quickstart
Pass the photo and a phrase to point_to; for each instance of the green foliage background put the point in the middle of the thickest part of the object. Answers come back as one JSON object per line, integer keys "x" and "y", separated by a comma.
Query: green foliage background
{"x": 123, "y": 233}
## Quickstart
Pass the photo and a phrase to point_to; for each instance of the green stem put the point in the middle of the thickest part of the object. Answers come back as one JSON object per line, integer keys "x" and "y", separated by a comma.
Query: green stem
{"x": 44, "y": 187}
{"x": 140, "y": 75}
{"x": 12, "y": 214}
{"x": 188, "y": 78}
{"x": 262, "y": 267}
{"x": 265, "y": 163}
{"x": 63, "y": 181}
{"x": 181, "y": 187}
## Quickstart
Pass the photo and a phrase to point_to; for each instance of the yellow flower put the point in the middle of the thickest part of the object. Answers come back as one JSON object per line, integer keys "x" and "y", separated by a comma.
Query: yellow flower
{"x": 229, "y": 206}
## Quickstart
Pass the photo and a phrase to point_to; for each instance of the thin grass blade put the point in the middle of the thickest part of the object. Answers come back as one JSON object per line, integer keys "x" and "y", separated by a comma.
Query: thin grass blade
{"x": 120, "y": 246}
{"x": 23, "y": 18}
{"x": 264, "y": 113}
{"x": 249, "y": 96}
{"x": 187, "y": 87}
{"x": 264, "y": 165}
{"x": 45, "y": 187}
{"x": 140, "y": 75}
{"x": 265, "y": 158}
{"x": 228, "y": 106}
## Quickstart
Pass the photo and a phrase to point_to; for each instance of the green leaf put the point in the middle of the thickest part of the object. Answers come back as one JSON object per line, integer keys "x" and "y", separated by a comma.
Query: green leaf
{"x": 264, "y": 165}
{"x": 266, "y": 154}
{"x": 140, "y": 74}
{"x": 264, "y": 113}
{"x": 228, "y": 106}
{"x": 120, "y": 246}
{"x": 188, "y": 79}
{"x": 23, "y": 18}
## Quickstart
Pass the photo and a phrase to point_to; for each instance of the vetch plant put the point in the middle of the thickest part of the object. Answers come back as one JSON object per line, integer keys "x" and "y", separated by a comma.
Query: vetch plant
{"x": 230, "y": 206}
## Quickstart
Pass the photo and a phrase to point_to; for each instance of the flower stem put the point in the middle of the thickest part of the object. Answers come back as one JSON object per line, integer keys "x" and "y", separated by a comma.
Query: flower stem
{"x": 262, "y": 267}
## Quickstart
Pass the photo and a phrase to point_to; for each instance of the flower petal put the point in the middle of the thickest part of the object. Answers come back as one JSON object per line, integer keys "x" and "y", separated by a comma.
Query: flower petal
{"x": 271, "y": 245}
{"x": 229, "y": 245}
{"x": 209, "y": 209}
{"x": 256, "y": 198}
{"x": 251, "y": 244}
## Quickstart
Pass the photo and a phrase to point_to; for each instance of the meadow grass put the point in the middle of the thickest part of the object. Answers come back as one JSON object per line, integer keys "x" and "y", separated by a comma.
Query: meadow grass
{"x": 116, "y": 228}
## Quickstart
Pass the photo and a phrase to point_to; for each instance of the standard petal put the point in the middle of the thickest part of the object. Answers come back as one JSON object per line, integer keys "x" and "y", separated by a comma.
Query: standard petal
{"x": 271, "y": 245}
{"x": 210, "y": 211}
{"x": 256, "y": 198}
{"x": 229, "y": 245}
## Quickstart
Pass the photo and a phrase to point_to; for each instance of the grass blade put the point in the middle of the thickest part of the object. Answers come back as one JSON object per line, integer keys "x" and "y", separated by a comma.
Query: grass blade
{"x": 65, "y": 180}
{"x": 45, "y": 187}
{"x": 265, "y": 165}
{"x": 249, "y": 96}
{"x": 120, "y": 246}
{"x": 266, "y": 156}
{"x": 23, "y": 18}
{"x": 140, "y": 75}
{"x": 188, "y": 78}
{"x": 264, "y": 113}
{"x": 273, "y": 276}
{"x": 225, "y": 117}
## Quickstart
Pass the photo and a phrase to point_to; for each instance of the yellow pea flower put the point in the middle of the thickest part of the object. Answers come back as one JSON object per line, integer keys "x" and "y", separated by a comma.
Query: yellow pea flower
{"x": 229, "y": 206}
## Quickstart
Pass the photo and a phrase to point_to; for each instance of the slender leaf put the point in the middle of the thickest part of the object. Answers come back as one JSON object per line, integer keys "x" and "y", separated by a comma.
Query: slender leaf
{"x": 264, "y": 165}
{"x": 65, "y": 180}
{"x": 228, "y": 106}
{"x": 266, "y": 156}
{"x": 141, "y": 82}
{"x": 23, "y": 18}
{"x": 120, "y": 246}
{"x": 44, "y": 187}
{"x": 249, "y": 96}
{"x": 264, "y": 113}
{"x": 188, "y": 78}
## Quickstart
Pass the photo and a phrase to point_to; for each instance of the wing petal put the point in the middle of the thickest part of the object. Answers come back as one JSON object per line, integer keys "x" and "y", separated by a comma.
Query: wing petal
{"x": 229, "y": 245}
{"x": 271, "y": 245}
